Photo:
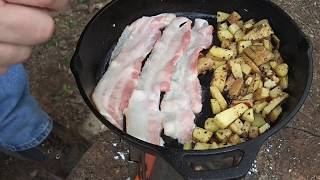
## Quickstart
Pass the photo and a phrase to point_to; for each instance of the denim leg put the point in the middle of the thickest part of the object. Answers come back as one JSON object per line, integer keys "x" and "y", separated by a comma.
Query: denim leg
{"x": 23, "y": 124}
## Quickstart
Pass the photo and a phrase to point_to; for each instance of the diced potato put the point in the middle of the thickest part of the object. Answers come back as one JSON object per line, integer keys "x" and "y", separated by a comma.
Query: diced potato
{"x": 223, "y": 135}
{"x": 218, "y": 96}
{"x": 201, "y": 146}
{"x": 275, "y": 92}
{"x": 215, "y": 106}
{"x": 253, "y": 132}
{"x": 236, "y": 69}
{"x": 204, "y": 65}
{"x": 221, "y": 53}
{"x": 233, "y": 28}
{"x": 277, "y": 57}
{"x": 274, "y": 103}
{"x": 224, "y": 34}
{"x": 284, "y": 82}
{"x": 214, "y": 145}
{"x": 275, "y": 113}
{"x": 240, "y": 24}
{"x": 234, "y": 139}
{"x": 233, "y": 48}
{"x": 255, "y": 84}
{"x": 187, "y": 146}
{"x": 238, "y": 36}
{"x": 258, "y": 120}
{"x": 248, "y": 102}
{"x": 267, "y": 44}
{"x": 261, "y": 93}
{"x": 248, "y": 115}
{"x": 236, "y": 127}
{"x": 243, "y": 45}
{"x": 246, "y": 69}
{"x": 282, "y": 69}
{"x": 248, "y": 25}
{"x": 223, "y": 26}
{"x": 229, "y": 82}
{"x": 201, "y": 135}
{"x": 226, "y": 43}
{"x": 210, "y": 125}
{"x": 222, "y": 16}
{"x": 226, "y": 117}
{"x": 234, "y": 17}
{"x": 220, "y": 77}
{"x": 273, "y": 64}
{"x": 259, "y": 54}
{"x": 217, "y": 64}
{"x": 263, "y": 128}
{"x": 245, "y": 129}
{"x": 234, "y": 90}
{"x": 261, "y": 30}
{"x": 276, "y": 41}
{"x": 249, "y": 80}
{"x": 258, "y": 107}
{"x": 248, "y": 61}
{"x": 247, "y": 97}
{"x": 268, "y": 83}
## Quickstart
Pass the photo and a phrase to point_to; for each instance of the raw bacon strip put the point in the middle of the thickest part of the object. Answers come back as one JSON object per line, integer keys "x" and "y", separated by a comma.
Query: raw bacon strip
{"x": 143, "y": 114}
{"x": 184, "y": 98}
{"x": 115, "y": 87}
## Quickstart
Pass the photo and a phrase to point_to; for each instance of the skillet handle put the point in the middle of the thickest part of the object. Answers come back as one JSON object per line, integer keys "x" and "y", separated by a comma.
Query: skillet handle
{"x": 186, "y": 162}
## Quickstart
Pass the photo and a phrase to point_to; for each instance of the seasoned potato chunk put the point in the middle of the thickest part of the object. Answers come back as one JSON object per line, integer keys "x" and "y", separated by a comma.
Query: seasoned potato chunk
{"x": 248, "y": 115}
{"x": 258, "y": 107}
{"x": 275, "y": 113}
{"x": 201, "y": 135}
{"x": 282, "y": 69}
{"x": 218, "y": 96}
{"x": 263, "y": 128}
{"x": 248, "y": 61}
{"x": 274, "y": 103}
{"x": 261, "y": 30}
{"x": 234, "y": 90}
{"x": 222, "y": 16}
{"x": 201, "y": 146}
{"x": 234, "y": 17}
{"x": 215, "y": 106}
{"x": 261, "y": 93}
{"x": 204, "y": 65}
{"x": 187, "y": 146}
{"x": 220, "y": 77}
{"x": 236, "y": 127}
{"x": 226, "y": 117}
{"x": 234, "y": 139}
{"x": 233, "y": 28}
{"x": 246, "y": 69}
{"x": 253, "y": 132}
{"x": 284, "y": 82}
{"x": 214, "y": 145}
{"x": 275, "y": 92}
{"x": 210, "y": 125}
{"x": 243, "y": 45}
{"x": 223, "y": 26}
{"x": 238, "y": 36}
{"x": 224, "y": 35}
{"x": 235, "y": 69}
{"x": 223, "y": 135}
{"x": 221, "y": 53}
{"x": 245, "y": 129}
{"x": 258, "y": 120}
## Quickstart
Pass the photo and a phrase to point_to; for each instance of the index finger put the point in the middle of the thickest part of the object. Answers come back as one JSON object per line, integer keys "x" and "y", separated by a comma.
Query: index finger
{"x": 49, "y": 4}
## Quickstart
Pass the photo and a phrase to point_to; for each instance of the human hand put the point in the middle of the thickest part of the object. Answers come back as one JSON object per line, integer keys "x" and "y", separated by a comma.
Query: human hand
{"x": 23, "y": 24}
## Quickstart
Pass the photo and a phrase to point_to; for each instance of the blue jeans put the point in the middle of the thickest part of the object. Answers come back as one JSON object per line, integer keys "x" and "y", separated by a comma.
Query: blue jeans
{"x": 23, "y": 124}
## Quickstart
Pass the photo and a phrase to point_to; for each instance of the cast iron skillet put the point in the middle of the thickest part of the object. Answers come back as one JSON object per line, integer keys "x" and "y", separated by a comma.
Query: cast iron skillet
{"x": 100, "y": 35}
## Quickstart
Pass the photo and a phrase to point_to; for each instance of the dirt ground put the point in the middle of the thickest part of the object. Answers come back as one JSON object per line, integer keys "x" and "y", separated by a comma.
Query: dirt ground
{"x": 293, "y": 153}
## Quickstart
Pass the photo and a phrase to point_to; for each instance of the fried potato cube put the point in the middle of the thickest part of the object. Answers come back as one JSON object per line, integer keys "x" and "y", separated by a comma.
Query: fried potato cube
{"x": 258, "y": 120}
{"x": 223, "y": 135}
{"x": 248, "y": 61}
{"x": 240, "y": 24}
{"x": 258, "y": 107}
{"x": 261, "y": 30}
{"x": 248, "y": 115}
{"x": 248, "y": 25}
{"x": 248, "y": 102}
{"x": 210, "y": 125}
{"x": 247, "y": 97}
{"x": 201, "y": 146}
{"x": 259, "y": 54}
{"x": 234, "y": 17}
{"x": 228, "y": 116}
{"x": 234, "y": 90}
{"x": 282, "y": 69}
{"x": 238, "y": 36}
{"x": 275, "y": 113}
{"x": 226, "y": 43}
{"x": 234, "y": 139}
{"x": 273, "y": 64}
{"x": 235, "y": 69}
{"x": 220, "y": 77}
{"x": 201, "y": 135}
{"x": 263, "y": 128}
{"x": 204, "y": 65}
{"x": 255, "y": 84}
{"x": 268, "y": 83}
{"x": 233, "y": 28}
{"x": 215, "y": 93}
{"x": 214, "y": 145}
{"x": 215, "y": 106}
{"x": 224, "y": 35}
{"x": 187, "y": 146}
{"x": 222, "y": 16}
{"x": 284, "y": 82}
{"x": 236, "y": 127}
{"x": 243, "y": 45}
{"x": 274, "y": 103}
{"x": 275, "y": 92}
{"x": 233, "y": 48}
{"x": 261, "y": 93}
{"x": 230, "y": 80}
{"x": 253, "y": 132}
{"x": 267, "y": 44}
{"x": 217, "y": 64}
{"x": 221, "y": 53}
{"x": 223, "y": 26}
{"x": 245, "y": 129}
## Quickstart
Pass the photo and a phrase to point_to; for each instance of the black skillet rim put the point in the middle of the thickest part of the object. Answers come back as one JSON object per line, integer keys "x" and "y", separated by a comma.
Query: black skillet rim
{"x": 154, "y": 149}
